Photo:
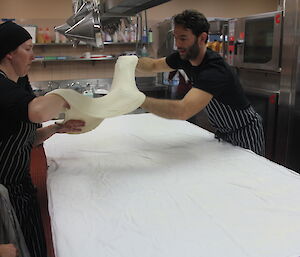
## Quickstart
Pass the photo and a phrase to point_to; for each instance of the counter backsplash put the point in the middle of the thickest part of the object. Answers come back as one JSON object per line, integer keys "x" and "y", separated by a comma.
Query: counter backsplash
{"x": 91, "y": 87}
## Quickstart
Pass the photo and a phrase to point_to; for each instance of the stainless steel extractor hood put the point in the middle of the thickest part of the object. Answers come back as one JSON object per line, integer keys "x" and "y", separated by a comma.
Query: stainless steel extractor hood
{"x": 129, "y": 7}
{"x": 86, "y": 23}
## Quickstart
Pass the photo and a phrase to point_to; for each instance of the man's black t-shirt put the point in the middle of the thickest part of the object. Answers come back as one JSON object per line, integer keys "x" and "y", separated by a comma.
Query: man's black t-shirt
{"x": 229, "y": 111}
{"x": 214, "y": 76}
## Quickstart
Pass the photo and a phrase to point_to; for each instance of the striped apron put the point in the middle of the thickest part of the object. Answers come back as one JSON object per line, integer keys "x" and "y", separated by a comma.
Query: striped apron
{"x": 239, "y": 127}
{"x": 14, "y": 175}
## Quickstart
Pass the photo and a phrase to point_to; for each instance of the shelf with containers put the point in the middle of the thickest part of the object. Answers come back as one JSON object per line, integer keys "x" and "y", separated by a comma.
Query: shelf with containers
{"x": 70, "y": 44}
{"x": 127, "y": 33}
{"x": 44, "y": 59}
{"x": 218, "y": 36}
{"x": 85, "y": 53}
{"x": 59, "y": 60}
{"x": 65, "y": 52}
{"x": 63, "y": 61}
{"x": 53, "y": 52}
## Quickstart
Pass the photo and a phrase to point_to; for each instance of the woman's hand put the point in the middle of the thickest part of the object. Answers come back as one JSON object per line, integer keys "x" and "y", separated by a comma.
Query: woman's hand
{"x": 8, "y": 250}
{"x": 71, "y": 126}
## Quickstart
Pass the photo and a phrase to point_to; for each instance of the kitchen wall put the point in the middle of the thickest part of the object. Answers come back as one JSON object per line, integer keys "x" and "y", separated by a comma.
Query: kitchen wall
{"x": 210, "y": 8}
{"x": 36, "y": 9}
{"x": 51, "y": 13}
{"x": 213, "y": 8}
{"x": 59, "y": 9}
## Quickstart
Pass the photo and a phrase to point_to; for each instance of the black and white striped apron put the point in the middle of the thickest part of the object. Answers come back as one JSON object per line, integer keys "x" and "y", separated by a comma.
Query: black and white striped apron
{"x": 14, "y": 175}
{"x": 239, "y": 127}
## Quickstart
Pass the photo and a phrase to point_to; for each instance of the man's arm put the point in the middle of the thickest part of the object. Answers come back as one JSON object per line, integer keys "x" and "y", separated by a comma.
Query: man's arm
{"x": 193, "y": 102}
{"x": 146, "y": 64}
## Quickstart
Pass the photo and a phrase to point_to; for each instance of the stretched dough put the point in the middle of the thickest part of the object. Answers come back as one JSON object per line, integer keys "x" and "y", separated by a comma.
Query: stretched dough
{"x": 124, "y": 97}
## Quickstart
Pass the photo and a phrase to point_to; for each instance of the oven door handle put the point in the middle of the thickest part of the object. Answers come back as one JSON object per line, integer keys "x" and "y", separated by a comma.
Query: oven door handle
{"x": 260, "y": 91}
{"x": 238, "y": 43}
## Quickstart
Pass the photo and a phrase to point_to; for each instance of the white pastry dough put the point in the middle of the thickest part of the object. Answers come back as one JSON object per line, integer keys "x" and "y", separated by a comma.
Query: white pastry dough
{"x": 124, "y": 97}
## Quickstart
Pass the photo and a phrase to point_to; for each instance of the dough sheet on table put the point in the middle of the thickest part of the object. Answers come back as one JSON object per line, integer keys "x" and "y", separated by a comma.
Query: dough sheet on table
{"x": 143, "y": 186}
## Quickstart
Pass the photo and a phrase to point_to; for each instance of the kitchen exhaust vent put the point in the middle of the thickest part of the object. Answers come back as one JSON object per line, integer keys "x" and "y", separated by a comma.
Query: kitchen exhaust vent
{"x": 129, "y": 7}
{"x": 86, "y": 23}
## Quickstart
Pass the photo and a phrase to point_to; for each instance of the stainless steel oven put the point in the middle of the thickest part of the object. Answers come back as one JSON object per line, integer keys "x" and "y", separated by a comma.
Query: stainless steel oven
{"x": 266, "y": 104}
{"x": 255, "y": 41}
{"x": 263, "y": 90}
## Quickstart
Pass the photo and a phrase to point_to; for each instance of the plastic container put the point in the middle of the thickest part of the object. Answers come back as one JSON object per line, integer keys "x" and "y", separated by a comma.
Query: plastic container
{"x": 221, "y": 48}
{"x": 108, "y": 37}
{"x": 132, "y": 34}
{"x": 63, "y": 39}
{"x": 40, "y": 36}
{"x": 126, "y": 35}
{"x": 57, "y": 37}
{"x": 144, "y": 36}
{"x": 144, "y": 52}
{"x": 47, "y": 36}
{"x": 115, "y": 37}
{"x": 175, "y": 80}
{"x": 150, "y": 36}
{"x": 215, "y": 46}
{"x": 50, "y": 58}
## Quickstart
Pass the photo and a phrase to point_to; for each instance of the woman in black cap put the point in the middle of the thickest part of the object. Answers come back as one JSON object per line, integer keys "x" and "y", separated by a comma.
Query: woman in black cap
{"x": 20, "y": 115}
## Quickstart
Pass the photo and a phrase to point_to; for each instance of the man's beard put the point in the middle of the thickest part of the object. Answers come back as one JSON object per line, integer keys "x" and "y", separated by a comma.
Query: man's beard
{"x": 192, "y": 52}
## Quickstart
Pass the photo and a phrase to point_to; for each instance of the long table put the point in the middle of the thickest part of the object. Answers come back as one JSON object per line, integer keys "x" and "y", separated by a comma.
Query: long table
{"x": 143, "y": 186}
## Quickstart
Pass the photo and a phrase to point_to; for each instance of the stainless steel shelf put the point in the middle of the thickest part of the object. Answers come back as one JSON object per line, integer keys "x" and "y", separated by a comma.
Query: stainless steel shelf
{"x": 76, "y": 59}
{"x": 82, "y": 44}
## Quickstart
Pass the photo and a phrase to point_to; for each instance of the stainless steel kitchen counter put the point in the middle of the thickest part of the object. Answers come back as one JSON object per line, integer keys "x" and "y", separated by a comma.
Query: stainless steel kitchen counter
{"x": 144, "y": 84}
{"x": 100, "y": 87}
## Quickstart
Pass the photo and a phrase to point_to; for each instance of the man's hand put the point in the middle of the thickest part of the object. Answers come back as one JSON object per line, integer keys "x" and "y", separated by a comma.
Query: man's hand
{"x": 146, "y": 65}
{"x": 8, "y": 250}
{"x": 71, "y": 126}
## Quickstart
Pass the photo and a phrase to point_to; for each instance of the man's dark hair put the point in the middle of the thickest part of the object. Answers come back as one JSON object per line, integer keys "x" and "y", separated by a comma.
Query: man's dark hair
{"x": 193, "y": 20}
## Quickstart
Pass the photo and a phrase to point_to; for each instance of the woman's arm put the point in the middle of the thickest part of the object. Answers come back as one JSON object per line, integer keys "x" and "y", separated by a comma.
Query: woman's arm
{"x": 44, "y": 108}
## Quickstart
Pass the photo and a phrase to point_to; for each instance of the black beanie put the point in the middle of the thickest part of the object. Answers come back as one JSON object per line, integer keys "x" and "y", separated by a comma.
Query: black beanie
{"x": 11, "y": 36}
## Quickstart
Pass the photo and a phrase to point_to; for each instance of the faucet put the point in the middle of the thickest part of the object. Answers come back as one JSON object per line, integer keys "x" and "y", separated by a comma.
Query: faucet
{"x": 76, "y": 86}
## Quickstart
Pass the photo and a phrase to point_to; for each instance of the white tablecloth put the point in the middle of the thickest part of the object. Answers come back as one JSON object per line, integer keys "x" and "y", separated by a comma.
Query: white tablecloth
{"x": 143, "y": 186}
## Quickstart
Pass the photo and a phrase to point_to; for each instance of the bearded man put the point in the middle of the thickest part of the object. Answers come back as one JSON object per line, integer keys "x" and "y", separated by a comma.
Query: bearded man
{"x": 215, "y": 86}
